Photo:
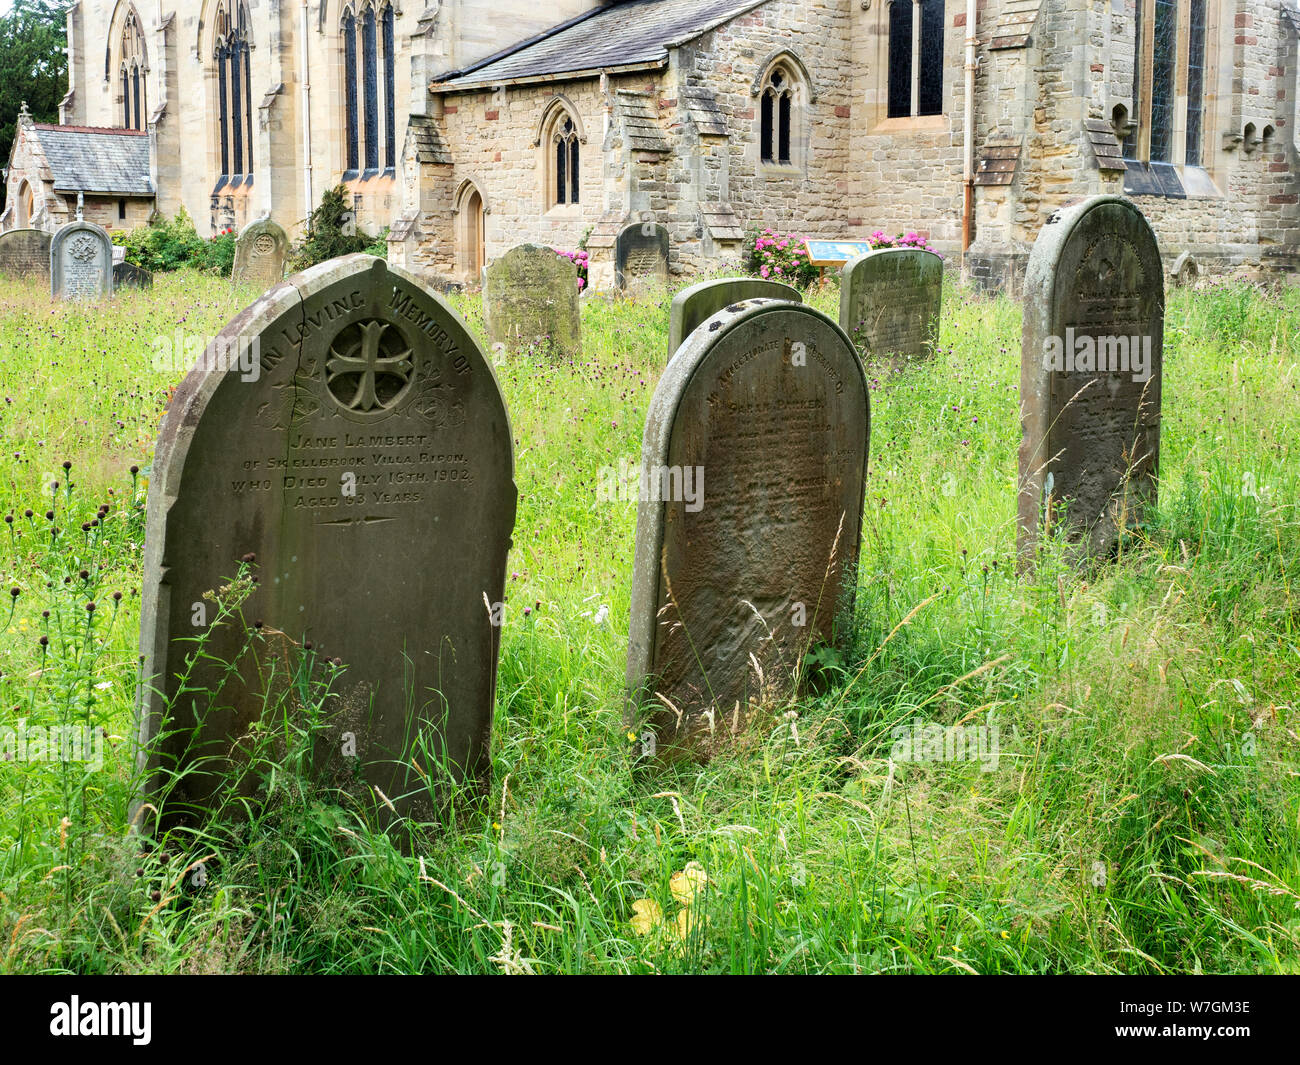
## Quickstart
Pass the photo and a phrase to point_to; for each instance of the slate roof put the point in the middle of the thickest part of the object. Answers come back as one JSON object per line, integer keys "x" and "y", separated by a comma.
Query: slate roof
{"x": 633, "y": 33}
{"x": 91, "y": 159}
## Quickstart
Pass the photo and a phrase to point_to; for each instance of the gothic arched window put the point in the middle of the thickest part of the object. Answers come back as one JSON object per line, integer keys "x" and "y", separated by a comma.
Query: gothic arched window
{"x": 135, "y": 113}
{"x": 369, "y": 88}
{"x": 565, "y": 148}
{"x": 784, "y": 92}
{"x": 915, "y": 58}
{"x": 1157, "y": 129}
{"x": 234, "y": 88}
{"x": 776, "y": 112}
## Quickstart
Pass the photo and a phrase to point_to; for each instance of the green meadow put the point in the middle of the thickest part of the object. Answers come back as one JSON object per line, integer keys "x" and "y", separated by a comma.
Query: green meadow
{"x": 1142, "y": 814}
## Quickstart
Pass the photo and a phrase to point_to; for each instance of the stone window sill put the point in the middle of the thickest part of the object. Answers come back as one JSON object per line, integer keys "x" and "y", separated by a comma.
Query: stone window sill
{"x": 780, "y": 170}
{"x": 917, "y": 124}
{"x": 562, "y": 211}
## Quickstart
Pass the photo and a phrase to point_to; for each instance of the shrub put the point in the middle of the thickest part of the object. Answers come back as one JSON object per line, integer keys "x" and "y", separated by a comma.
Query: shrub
{"x": 780, "y": 258}
{"x": 331, "y": 231}
{"x": 579, "y": 259}
{"x": 164, "y": 244}
{"x": 220, "y": 253}
{"x": 379, "y": 246}
{"x": 903, "y": 240}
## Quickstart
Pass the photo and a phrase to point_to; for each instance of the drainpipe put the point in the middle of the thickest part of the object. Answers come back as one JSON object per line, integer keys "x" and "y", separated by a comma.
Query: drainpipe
{"x": 309, "y": 200}
{"x": 968, "y": 136}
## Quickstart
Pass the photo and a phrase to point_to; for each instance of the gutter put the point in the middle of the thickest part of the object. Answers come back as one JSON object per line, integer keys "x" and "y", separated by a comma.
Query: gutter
{"x": 308, "y": 196}
{"x": 968, "y": 135}
{"x": 439, "y": 88}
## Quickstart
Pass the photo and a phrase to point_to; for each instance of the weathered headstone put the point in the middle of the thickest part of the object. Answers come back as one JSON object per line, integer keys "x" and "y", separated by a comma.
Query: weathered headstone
{"x": 890, "y": 300}
{"x": 1185, "y": 271}
{"x": 25, "y": 253}
{"x": 346, "y": 434}
{"x": 128, "y": 275}
{"x": 261, "y": 251}
{"x": 119, "y": 254}
{"x": 641, "y": 255}
{"x": 749, "y": 517}
{"x": 1090, "y": 374}
{"x": 693, "y": 305}
{"x": 530, "y": 296}
{"x": 81, "y": 262}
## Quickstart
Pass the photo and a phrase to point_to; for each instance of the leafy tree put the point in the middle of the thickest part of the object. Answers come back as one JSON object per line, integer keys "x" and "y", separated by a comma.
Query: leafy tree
{"x": 331, "y": 231}
{"x": 33, "y": 65}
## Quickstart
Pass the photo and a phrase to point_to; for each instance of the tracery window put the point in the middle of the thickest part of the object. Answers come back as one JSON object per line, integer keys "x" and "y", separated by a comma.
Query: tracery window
{"x": 915, "y": 58}
{"x": 135, "y": 113}
{"x": 784, "y": 93}
{"x": 568, "y": 162}
{"x": 234, "y": 88}
{"x": 1157, "y": 126}
{"x": 369, "y": 88}
{"x": 775, "y": 115}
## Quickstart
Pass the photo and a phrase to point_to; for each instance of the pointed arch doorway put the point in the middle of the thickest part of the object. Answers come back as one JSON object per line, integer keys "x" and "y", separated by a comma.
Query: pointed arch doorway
{"x": 472, "y": 242}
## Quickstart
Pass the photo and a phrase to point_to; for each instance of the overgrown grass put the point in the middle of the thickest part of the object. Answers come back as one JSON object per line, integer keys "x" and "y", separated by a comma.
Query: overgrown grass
{"x": 1143, "y": 815}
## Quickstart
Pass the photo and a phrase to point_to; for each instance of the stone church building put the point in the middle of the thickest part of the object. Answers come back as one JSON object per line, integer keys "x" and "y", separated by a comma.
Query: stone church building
{"x": 467, "y": 127}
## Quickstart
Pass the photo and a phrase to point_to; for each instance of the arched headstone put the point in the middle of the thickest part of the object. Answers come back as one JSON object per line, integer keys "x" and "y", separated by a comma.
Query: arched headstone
{"x": 530, "y": 296}
{"x": 81, "y": 262}
{"x": 1090, "y": 372}
{"x": 261, "y": 251}
{"x": 693, "y": 305}
{"x": 128, "y": 275}
{"x": 641, "y": 255}
{"x": 25, "y": 253}
{"x": 347, "y": 433}
{"x": 1185, "y": 270}
{"x": 890, "y": 300}
{"x": 749, "y": 517}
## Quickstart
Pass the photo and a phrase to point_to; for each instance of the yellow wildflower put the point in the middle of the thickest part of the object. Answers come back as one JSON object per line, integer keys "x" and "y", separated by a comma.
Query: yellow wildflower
{"x": 646, "y": 915}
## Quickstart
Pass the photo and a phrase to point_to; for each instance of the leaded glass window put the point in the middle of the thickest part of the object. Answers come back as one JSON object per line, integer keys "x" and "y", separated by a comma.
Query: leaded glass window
{"x": 900, "y": 58}
{"x": 369, "y": 89}
{"x": 234, "y": 89}
{"x": 134, "y": 110}
{"x": 1195, "y": 81}
{"x": 567, "y": 160}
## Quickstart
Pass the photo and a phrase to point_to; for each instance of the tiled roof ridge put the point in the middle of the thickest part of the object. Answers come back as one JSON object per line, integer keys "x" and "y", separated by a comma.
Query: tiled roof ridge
{"x": 54, "y": 126}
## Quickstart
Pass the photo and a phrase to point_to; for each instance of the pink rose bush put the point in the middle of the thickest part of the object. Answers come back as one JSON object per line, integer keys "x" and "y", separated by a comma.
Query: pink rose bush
{"x": 579, "y": 258}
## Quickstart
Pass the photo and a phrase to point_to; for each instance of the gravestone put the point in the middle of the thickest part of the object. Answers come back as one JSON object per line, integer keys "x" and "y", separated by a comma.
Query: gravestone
{"x": 119, "y": 254}
{"x": 1090, "y": 375}
{"x": 25, "y": 253}
{"x": 641, "y": 255}
{"x": 128, "y": 275}
{"x": 261, "y": 252}
{"x": 347, "y": 437}
{"x": 693, "y": 305}
{"x": 81, "y": 262}
{"x": 530, "y": 296}
{"x": 1185, "y": 270}
{"x": 889, "y": 301}
{"x": 749, "y": 517}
